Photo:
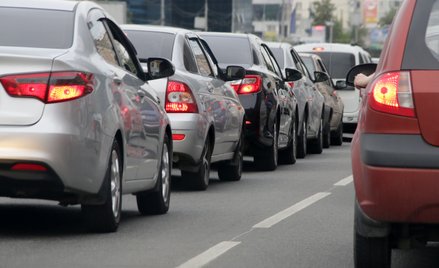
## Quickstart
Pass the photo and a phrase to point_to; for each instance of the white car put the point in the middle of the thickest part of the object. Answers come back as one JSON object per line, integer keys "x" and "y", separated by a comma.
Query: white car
{"x": 339, "y": 58}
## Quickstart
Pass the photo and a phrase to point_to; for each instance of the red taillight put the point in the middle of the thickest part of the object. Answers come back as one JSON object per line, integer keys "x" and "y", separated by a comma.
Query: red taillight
{"x": 392, "y": 93}
{"x": 28, "y": 167}
{"x": 291, "y": 84}
{"x": 179, "y": 98}
{"x": 49, "y": 87}
{"x": 178, "y": 137}
{"x": 250, "y": 84}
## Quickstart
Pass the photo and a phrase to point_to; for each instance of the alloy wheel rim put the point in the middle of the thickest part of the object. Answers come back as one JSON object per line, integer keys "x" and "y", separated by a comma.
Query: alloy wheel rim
{"x": 115, "y": 184}
{"x": 165, "y": 173}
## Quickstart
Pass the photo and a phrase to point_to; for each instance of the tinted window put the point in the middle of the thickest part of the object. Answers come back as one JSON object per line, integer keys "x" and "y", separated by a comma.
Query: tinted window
{"x": 338, "y": 63}
{"x": 189, "y": 59}
{"x": 152, "y": 44}
{"x": 267, "y": 60}
{"x": 230, "y": 50}
{"x": 36, "y": 28}
{"x": 279, "y": 55}
{"x": 424, "y": 27}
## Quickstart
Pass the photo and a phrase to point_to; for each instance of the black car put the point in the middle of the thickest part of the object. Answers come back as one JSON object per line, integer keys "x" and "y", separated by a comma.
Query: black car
{"x": 270, "y": 105}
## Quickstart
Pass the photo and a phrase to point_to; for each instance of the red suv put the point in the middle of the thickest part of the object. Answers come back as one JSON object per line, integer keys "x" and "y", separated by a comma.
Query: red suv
{"x": 395, "y": 149}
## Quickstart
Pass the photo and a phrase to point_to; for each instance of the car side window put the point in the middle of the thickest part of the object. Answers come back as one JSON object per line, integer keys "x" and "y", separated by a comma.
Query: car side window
{"x": 126, "y": 59}
{"x": 266, "y": 58}
{"x": 101, "y": 37}
{"x": 209, "y": 55}
{"x": 297, "y": 61}
{"x": 200, "y": 58}
{"x": 432, "y": 32}
{"x": 189, "y": 59}
{"x": 273, "y": 62}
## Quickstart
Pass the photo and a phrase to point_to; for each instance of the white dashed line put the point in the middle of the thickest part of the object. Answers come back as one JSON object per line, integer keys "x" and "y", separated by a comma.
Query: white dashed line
{"x": 267, "y": 223}
{"x": 344, "y": 181}
{"x": 209, "y": 255}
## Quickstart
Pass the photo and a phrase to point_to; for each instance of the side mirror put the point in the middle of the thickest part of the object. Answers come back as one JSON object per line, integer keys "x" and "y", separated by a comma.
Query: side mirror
{"x": 341, "y": 84}
{"x": 292, "y": 75}
{"x": 320, "y": 77}
{"x": 366, "y": 69}
{"x": 158, "y": 68}
{"x": 234, "y": 73}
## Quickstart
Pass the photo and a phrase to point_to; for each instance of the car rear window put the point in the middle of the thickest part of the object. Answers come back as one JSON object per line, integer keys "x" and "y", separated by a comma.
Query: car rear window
{"x": 39, "y": 28}
{"x": 152, "y": 44}
{"x": 230, "y": 50}
{"x": 338, "y": 63}
{"x": 422, "y": 49}
{"x": 279, "y": 55}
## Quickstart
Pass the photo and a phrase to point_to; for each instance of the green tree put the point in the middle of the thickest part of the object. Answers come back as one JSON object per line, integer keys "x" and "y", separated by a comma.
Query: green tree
{"x": 340, "y": 36}
{"x": 322, "y": 11}
{"x": 387, "y": 18}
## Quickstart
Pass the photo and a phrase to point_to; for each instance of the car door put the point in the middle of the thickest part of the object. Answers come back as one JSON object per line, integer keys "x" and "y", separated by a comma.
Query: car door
{"x": 211, "y": 93}
{"x": 285, "y": 102}
{"x": 141, "y": 107}
{"x": 231, "y": 104}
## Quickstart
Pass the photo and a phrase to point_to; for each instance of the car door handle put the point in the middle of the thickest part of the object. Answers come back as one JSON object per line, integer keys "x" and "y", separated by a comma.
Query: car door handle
{"x": 117, "y": 80}
{"x": 141, "y": 93}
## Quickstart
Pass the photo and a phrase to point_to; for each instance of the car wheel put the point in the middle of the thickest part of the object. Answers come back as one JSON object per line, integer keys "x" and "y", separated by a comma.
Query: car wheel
{"x": 327, "y": 134}
{"x": 232, "y": 170}
{"x": 288, "y": 156}
{"x": 157, "y": 201}
{"x": 200, "y": 180}
{"x": 337, "y": 138}
{"x": 106, "y": 217}
{"x": 316, "y": 145}
{"x": 371, "y": 251}
{"x": 269, "y": 162}
{"x": 302, "y": 142}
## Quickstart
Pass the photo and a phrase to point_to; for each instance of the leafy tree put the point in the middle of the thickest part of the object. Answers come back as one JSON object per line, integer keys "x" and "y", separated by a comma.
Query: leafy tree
{"x": 322, "y": 11}
{"x": 387, "y": 18}
{"x": 340, "y": 36}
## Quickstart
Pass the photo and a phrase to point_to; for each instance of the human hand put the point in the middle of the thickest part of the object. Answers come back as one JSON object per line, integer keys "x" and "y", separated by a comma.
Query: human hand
{"x": 361, "y": 80}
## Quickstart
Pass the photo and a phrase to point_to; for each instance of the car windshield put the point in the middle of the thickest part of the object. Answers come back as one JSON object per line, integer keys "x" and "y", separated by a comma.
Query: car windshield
{"x": 338, "y": 63}
{"x": 230, "y": 50}
{"x": 152, "y": 44}
{"x": 39, "y": 28}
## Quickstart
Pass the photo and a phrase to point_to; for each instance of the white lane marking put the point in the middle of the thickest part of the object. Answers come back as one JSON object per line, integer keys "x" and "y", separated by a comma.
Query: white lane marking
{"x": 344, "y": 181}
{"x": 269, "y": 222}
{"x": 209, "y": 255}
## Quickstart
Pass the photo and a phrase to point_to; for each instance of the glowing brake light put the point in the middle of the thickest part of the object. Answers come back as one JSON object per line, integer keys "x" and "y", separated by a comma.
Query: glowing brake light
{"x": 318, "y": 49}
{"x": 179, "y": 98}
{"x": 250, "y": 84}
{"x": 392, "y": 93}
{"x": 49, "y": 87}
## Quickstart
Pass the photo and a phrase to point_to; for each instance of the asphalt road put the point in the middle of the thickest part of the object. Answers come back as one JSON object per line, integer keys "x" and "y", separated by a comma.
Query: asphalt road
{"x": 297, "y": 216}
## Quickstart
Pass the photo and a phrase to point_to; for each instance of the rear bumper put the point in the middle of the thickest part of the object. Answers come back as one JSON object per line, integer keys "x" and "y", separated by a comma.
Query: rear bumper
{"x": 187, "y": 152}
{"x": 350, "y": 122}
{"x": 396, "y": 178}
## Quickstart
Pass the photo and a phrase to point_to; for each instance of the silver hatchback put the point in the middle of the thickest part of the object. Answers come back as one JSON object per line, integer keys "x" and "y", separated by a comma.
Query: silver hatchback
{"x": 79, "y": 124}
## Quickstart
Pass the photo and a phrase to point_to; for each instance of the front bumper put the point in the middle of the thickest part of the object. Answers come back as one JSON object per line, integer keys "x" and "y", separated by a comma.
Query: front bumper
{"x": 396, "y": 177}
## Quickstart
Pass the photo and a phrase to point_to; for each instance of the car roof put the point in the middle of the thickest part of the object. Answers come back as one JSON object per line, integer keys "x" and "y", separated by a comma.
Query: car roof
{"x": 41, "y": 4}
{"x": 279, "y": 44}
{"x": 155, "y": 28}
{"x": 332, "y": 47}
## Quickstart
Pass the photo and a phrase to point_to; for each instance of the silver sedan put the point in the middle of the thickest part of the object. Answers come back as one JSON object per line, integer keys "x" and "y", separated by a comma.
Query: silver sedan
{"x": 79, "y": 124}
{"x": 205, "y": 112}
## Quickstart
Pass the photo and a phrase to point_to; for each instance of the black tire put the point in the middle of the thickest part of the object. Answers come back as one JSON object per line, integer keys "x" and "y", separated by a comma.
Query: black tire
{"x": 302, "y": 145}
{"x": 316, "y": 145}
{"x": 371, "y": 252}
{"x": 106, "y": 217}
{"x": 288, "y": 156}
{"x": 268, "y": 161}
{"x": 337, "y": 137}
{"x": 232, "y": 170}
{"x": 157, "y": 201}
{"x": 199, "y": 180}
{"x": 327, "y": 134}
